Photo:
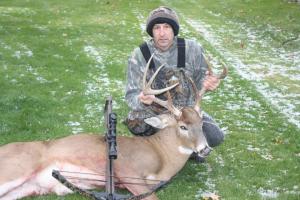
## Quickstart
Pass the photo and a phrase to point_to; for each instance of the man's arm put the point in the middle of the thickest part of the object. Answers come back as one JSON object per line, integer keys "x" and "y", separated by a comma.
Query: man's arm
{"x": 195, "y": 56}
{"x": 133, "y": 94}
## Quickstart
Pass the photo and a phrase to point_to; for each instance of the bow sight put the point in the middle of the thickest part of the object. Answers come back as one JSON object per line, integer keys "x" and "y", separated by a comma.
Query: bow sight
{"x": 111, "y": 144}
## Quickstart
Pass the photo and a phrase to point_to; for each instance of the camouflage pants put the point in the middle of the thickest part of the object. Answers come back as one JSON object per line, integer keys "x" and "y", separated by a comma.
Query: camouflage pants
{"x": 214, "y": 135}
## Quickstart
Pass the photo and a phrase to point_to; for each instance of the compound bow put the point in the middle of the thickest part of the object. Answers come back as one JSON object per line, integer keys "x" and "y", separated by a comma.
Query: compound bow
{"x": 109, "y": 194}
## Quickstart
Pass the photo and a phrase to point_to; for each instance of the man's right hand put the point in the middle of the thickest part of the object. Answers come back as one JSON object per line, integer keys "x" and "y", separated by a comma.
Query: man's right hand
{"x": 146, "y": 99}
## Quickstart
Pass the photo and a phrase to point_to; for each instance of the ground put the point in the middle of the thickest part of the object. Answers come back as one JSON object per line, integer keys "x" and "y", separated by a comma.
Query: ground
{"x": 60, "y": 60}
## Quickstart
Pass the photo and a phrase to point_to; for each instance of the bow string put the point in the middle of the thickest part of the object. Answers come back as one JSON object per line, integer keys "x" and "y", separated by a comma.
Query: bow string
{"x": 100, "y": 195}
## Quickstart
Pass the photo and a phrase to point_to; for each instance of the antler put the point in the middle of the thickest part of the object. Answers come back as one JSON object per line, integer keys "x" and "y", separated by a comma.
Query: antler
{"x": 147, "y": 90}
{"x": 199, "y": 95}
{"x": 224, "y": 72}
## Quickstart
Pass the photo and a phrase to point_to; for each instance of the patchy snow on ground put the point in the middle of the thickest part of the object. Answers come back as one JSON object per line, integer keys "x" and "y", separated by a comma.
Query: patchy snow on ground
{"x": 30, "y": 69}
{"x": 210, "y": 186}
{"x": 264, "y": 153}
{"x": 75, "y": 126}
{"x": 99, "y": 84}
{"x": 7, "y": 11}
{"x": 260, "y": 70}
{"x": 20, "y": 51}
{"x": 142, "y": 20}
{"x": 264, "y": 193}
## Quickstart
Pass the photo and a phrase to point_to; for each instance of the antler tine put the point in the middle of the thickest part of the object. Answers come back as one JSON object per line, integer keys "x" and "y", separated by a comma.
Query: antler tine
{"x": 209, "y": 66}
{"x": 146, "y": 71}
{"x": 201, "y": 94}
{"x": 147, "y": 90}
{"x": 154, "y": 75}
{"x": 198, "y": 95}
{"x": 224, "y": 72}
{"x": 168, "y": 105}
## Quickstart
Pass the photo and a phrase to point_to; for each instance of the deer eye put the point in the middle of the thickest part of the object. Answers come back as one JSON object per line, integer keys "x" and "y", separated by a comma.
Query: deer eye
{"x": 184, "y": 128}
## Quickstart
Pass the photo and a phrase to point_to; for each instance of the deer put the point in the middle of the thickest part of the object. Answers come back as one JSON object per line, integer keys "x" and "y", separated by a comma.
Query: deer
{"x": 26, "y": 167}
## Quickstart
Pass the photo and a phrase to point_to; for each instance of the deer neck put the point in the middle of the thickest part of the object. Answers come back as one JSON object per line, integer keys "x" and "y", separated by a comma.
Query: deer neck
{"x": 170, "y": 145}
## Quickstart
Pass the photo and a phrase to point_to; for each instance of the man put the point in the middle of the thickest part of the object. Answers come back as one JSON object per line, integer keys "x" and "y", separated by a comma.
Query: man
{"x": 182, "y": 59}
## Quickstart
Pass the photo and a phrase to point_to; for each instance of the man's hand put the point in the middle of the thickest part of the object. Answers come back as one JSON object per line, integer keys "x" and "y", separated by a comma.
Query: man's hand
{"x": 146, "y": 99}
{"x": 211, "y": 81}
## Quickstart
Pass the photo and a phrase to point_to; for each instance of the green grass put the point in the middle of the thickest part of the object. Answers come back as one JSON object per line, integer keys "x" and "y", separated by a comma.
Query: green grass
{"x": 59, "y": 60}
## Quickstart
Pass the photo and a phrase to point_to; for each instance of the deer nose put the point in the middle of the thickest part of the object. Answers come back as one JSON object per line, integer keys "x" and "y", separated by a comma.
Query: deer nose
{"x": 205, "y": 151}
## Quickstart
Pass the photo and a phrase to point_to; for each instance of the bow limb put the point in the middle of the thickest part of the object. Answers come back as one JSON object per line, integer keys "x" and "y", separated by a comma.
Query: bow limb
{"x": 101, "y": 196}
{"x": 56, "y": 174}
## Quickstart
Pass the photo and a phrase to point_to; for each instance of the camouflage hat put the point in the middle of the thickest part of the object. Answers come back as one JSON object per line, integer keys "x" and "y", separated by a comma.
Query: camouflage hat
{"x": 162, "y": 14}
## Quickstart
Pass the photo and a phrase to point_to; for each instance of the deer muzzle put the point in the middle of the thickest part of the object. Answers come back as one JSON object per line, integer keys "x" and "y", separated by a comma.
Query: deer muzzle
{"x": 204, "y": 152}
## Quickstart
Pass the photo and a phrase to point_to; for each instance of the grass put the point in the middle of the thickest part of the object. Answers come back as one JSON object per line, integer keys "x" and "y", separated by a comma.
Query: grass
{"x": 60, "y": 60}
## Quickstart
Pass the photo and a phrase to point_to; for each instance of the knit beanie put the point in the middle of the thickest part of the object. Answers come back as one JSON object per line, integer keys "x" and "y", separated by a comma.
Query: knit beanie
{"x": 162, "y": 14}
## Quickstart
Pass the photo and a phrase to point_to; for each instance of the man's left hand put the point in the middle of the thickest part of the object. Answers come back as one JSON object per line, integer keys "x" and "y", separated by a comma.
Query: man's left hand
{"x": 211, "y": 81}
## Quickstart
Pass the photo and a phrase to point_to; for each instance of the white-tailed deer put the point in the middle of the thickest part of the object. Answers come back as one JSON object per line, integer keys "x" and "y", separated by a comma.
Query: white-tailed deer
{"x": 26, "y": 167}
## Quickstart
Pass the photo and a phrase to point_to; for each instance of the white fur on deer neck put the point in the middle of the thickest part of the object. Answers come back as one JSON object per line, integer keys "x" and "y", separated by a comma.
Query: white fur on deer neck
{"x": 185, "y": 150}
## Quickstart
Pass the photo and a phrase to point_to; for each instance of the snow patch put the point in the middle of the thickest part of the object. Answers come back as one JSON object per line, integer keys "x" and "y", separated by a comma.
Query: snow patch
{"x": 99, "y": 83}
{"x": 265, "y": 193}
{"x": 75, "y": 127}
{"x": 5, "y": 10}
{"x": 274, "y": 64}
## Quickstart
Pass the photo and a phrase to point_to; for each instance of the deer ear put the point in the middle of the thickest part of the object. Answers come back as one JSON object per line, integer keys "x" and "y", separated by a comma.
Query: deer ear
{"x": 155, "y": 122}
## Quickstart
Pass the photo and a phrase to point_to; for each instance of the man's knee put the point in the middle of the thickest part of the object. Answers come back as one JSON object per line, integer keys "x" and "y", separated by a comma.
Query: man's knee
{"x": 214, "y": 135}
{"x": 139, "y": 128}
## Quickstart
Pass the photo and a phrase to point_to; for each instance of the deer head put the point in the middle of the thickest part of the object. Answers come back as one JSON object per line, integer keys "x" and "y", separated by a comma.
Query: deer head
{"x": 187, "y": 121}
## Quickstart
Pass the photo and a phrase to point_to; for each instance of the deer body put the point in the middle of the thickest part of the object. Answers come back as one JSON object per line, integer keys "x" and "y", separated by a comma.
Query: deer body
{"x": 26, "y": 167}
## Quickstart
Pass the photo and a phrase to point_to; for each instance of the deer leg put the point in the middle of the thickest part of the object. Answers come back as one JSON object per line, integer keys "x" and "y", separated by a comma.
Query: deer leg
{"x": 37, "y": 183}
{"x": 9, "y": 188}
{"x": 18, "y": 163}
{"x": 134, "y": 183}
{"x": 140, "y": 189}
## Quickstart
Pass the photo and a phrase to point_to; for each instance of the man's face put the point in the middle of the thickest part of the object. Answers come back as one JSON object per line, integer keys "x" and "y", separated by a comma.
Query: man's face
{"x": 163, "y": 36}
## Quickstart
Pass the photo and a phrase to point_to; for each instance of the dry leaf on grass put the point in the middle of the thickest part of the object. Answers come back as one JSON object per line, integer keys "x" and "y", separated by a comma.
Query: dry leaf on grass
{"x": 211, "y": 196}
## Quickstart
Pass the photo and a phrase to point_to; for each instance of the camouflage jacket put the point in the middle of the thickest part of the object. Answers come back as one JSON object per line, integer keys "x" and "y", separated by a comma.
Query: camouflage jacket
{"x": 195, "y": 67}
